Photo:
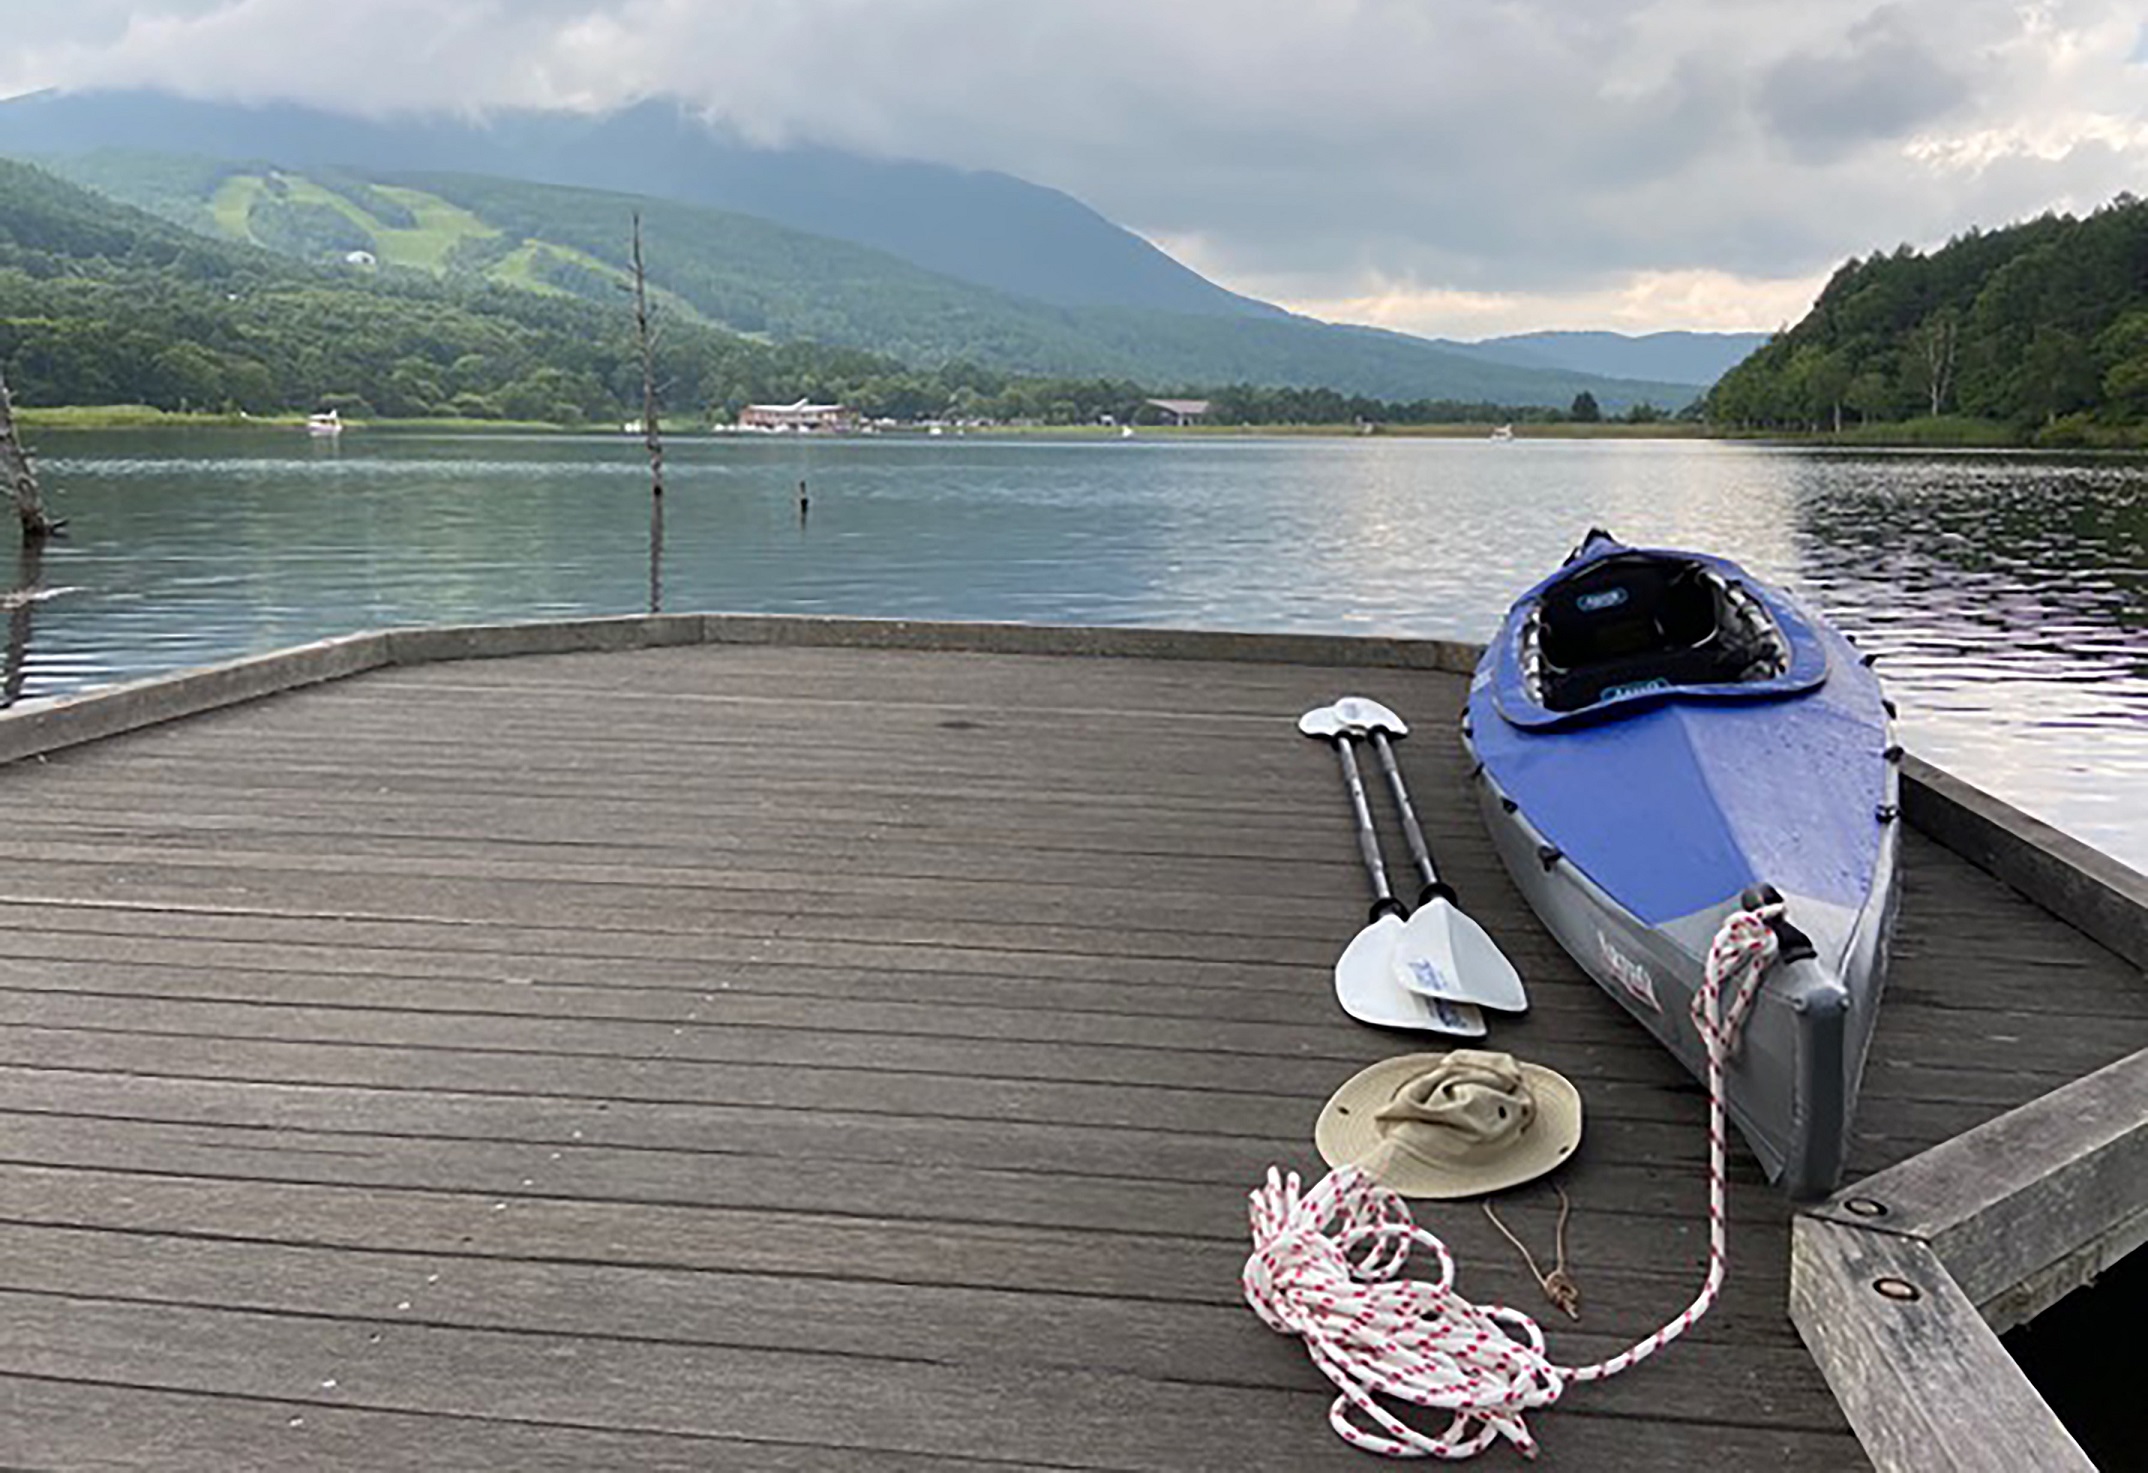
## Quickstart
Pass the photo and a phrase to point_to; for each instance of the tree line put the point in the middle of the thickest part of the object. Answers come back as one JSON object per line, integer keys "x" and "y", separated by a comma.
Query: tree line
{"x": 2040, "y": 328}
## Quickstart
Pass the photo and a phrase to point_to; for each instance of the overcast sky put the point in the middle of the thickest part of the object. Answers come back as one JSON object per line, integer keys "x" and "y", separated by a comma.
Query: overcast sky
{"x": 1448, "y": 167}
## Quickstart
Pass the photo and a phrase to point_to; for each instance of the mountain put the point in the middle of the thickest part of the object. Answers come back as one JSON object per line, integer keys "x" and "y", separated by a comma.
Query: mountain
{"x": 102, "y": 303}
{"x": 986, "y": 228}
{"x": 752, "y": 276}
{"x": 1696, "y": 359}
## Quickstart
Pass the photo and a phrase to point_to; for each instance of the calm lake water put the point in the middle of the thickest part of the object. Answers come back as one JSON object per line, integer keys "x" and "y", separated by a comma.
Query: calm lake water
{"x": 2007, "y": 595}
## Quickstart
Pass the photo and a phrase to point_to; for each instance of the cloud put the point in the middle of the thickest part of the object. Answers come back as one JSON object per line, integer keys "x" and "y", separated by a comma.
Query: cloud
{"x": 1442, "y": 153}
{"x": 1878, "y": 83}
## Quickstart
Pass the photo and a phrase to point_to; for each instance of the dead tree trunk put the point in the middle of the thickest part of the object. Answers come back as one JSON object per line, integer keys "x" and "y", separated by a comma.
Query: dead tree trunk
{"x": 652, "y": 435}
{"x": 21, "y": 615}
{"x": 1935, "y": 354}
{"x": 21, "y": 480}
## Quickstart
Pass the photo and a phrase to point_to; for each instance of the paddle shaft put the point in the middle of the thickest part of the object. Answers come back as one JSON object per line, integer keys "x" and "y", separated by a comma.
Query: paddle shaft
{"x": 1420, "y": 852}
{"x": 1368, "y": 842}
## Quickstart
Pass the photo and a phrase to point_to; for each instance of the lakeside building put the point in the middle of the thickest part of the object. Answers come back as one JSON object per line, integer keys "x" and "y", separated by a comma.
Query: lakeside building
{"x": 1182, "y": 411}
{"x": 800, "y": 416}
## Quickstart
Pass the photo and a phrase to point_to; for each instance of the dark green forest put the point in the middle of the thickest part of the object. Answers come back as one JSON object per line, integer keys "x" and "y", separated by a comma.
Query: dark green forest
{"x": 2037, "y": 332}
{"x": 104, "y": 304}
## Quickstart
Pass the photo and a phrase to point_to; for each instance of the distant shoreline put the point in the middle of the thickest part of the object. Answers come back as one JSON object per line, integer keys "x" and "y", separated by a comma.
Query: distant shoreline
{"x": 1947, "y": 433}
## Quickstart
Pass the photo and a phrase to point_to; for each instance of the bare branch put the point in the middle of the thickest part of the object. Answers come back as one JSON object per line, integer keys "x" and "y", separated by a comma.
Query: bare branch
{"x": 652, "y": 433}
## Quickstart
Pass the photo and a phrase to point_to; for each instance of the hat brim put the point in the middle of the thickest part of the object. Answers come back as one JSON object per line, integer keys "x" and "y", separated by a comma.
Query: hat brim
{"x": 1347, "y": 1134}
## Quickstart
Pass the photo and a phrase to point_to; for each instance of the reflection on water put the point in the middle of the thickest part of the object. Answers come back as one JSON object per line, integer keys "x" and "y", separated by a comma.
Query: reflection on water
{"x": 2007, "y": 595}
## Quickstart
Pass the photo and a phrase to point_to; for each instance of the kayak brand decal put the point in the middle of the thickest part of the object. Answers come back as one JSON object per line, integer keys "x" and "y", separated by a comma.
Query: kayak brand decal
{"x": 1628, "y": 973}
{"x": 1449, "y": 1018}
{"x": 1596, "y": 603}
{"x": 1634, "y": 688}
{"x": 1426, "y": 977}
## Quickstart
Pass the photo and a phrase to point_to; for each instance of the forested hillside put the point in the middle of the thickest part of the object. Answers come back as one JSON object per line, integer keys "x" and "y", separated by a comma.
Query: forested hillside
{"x": 104, "y": 304}
{"x": 760, "y": 278}
{"x": 2039, "y": 329}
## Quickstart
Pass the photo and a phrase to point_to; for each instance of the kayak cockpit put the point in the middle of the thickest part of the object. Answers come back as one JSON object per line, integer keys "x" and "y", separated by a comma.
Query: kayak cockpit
{"x": 1640, "y": 621}
{"x": 1620, "y": 628}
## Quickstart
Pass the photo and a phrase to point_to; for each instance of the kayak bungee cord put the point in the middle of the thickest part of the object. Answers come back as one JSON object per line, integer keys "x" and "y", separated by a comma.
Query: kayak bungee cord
{"x": 1326, "y": 1266}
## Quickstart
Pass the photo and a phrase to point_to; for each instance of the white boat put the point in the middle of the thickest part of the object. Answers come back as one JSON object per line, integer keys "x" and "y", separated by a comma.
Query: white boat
{"x": 327, "y": 422}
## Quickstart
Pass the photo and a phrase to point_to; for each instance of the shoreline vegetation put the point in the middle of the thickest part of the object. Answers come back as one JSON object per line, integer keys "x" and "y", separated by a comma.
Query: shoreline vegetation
{"x": 1947, "y": 432}
{"x": 2030, "y": 337}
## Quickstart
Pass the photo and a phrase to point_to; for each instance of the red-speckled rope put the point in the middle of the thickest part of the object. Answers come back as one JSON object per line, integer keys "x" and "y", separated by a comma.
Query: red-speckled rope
{"x": 1327, "y": 1263}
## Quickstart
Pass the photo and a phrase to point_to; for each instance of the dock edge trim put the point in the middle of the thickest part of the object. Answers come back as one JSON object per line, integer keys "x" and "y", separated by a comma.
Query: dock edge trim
{"x": 1902, "y": 1283}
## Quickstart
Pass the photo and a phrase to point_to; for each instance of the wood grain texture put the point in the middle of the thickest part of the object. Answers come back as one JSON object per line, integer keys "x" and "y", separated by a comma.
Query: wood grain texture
{"x": 1924, "y": 1381}
{"x": 750, "y": 1055}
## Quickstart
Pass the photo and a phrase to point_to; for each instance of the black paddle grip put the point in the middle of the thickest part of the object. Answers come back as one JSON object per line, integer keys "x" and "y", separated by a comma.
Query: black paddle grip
{"x": 1437, "y": 890}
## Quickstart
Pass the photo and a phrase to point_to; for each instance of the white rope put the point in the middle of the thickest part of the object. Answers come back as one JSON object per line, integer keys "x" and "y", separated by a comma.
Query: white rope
{"x": 1327, "y": 1265}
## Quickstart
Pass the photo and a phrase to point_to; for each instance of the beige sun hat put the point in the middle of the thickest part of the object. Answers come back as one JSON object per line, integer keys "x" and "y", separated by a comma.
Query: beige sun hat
{"x": 1457, "y": 1124}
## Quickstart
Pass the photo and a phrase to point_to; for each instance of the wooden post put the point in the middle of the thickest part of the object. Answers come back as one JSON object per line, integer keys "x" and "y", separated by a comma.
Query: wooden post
{"x": 805, "y": 503}
{"x": 21, "y": 480}
{"x": 651, "y": 434}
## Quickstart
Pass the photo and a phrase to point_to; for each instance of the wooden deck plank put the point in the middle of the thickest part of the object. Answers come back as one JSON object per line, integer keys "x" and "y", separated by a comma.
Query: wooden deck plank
{"x": 1034, "y": 1415}
{"x": 56, "y": 1423}
{"x": 653, "y": 1021}
{"x": 1047, "y": 1326}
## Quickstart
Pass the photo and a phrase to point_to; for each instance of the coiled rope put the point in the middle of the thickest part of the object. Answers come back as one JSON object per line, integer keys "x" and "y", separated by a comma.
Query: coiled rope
{"x": 1327, "y": 1264}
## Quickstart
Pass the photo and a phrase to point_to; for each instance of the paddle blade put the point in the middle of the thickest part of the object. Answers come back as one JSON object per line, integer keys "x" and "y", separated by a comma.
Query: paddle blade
{"x": 1366, "y": 986}
{"x": 1321, "y": 721}
{"x": 1363, "y": 714}
{"x": 1441, "y": 953}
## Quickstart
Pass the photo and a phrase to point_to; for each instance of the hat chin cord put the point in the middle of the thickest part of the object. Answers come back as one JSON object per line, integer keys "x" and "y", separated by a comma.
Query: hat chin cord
{"x": 1327, "y": 1265}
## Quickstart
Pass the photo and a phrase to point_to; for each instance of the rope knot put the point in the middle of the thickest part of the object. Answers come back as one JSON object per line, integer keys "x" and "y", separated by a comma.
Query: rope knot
{"x": 1744, "y": 948}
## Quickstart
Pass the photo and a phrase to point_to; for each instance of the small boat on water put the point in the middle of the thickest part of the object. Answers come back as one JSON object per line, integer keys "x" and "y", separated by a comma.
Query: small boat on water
{"x": 327, "y": 422}
{"x": 1660, "y": 739}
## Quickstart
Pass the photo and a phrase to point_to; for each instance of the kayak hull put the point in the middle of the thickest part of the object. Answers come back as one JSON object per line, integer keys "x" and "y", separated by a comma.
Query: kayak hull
{"x": 1634, "y": 831}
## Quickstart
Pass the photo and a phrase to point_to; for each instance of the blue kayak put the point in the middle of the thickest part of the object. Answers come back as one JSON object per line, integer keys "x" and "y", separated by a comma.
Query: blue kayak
{"x": 1659, "y": 738}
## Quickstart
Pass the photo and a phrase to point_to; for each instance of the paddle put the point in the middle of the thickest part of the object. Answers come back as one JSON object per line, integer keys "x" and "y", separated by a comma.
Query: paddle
{"x": 1366, "y": 983}
{"x": 1441, "y": 952}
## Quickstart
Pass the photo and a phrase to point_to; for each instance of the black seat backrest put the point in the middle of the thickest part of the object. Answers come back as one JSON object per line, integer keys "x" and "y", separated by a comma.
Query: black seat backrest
{"x": 1610, "y": 612}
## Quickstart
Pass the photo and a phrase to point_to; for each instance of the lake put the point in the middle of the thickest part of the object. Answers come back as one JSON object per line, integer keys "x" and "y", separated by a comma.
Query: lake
{"x": 2006, "y": 594}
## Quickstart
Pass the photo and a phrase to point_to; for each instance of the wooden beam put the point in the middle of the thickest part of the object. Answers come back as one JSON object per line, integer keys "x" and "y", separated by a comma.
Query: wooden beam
{"x": 1923, "y": 1380}
{"x": 2088, "y": 889}
{"x": 2026, "y": 1207}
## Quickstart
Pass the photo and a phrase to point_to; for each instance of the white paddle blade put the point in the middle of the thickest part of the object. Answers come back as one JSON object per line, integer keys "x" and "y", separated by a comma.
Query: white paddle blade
{"x": 1362, "y": 714}
{"x": 1365, "y": 985}
{"x": 1441, "y": 953}
{"x": 1321, "y": 721}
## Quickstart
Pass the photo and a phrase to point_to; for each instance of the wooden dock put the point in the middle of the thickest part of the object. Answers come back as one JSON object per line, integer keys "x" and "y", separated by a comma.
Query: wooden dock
{"x": 768, "y": 1056}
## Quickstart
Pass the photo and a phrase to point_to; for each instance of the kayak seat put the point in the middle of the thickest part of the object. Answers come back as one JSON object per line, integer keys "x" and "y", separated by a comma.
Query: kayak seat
{"x": 1636, "y": 621}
